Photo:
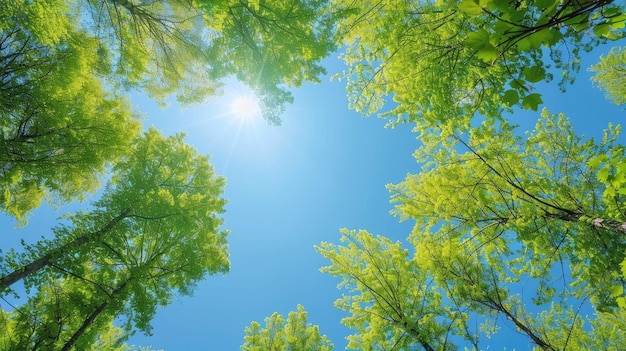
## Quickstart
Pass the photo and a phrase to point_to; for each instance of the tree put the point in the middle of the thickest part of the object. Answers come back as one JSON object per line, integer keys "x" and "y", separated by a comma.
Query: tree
{"x": 273, "y": 45}
{"x": 390, "y": 300}
{"x": 610, "y": 74}
{"x": 185, "y": 48}
{"x": 448, "y": 296}
{"x": 54, "y": 318}
{"x": 111, "y": 339}
{"x": 154, "y": 232}
{"x": 59, "y": 127}
{"x": 444, "y": 62}
{"x": 48, "y": 319}
{"x": 284, "y": 335}
{"x": 157, "y": 46}
{"x": 528, "y": 234}
{"x": 543, "y": 194}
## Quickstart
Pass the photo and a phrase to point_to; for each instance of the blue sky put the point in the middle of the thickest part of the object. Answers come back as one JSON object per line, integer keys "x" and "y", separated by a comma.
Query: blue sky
{"x": 289, "y": 188}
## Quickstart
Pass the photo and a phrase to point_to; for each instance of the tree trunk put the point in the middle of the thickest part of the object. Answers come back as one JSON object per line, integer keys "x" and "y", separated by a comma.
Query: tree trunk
{"x": 92, "y": 317}
{"x": 41, "y": 262}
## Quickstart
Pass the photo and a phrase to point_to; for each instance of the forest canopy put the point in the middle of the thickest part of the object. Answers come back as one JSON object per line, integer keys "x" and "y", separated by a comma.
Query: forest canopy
{"x": 526, "y": 230}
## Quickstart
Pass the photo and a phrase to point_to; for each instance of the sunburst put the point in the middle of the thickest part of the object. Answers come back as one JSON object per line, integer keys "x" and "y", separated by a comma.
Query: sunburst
{"x": 245, "y": 107}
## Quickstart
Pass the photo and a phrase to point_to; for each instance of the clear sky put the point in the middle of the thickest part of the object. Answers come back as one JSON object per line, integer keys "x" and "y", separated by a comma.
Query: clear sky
{"x": 291, "y": 187}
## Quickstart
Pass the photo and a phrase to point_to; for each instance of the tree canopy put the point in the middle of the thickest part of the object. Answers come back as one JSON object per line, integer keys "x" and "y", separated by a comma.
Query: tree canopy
{"x": 542, "y": 193}
{"x": 610, "y": 74}
{"x": 186, "y": 48}
{"x": 526, "y": 233}
{"x": 155, "y": 231}
{"x": 60, "y": 128}
{"x": 450, "y": 295}
{"x": 279, "y": 334}
{"x": 443, "y": 62}
{"x": 509, "y": 231}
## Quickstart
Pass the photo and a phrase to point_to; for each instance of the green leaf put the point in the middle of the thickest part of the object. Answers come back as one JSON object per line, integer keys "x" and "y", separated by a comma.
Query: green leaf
{"x": 617, "y": 290}
{"x": 549, "y": 8}
{"x": 488, "y": 53}
{"x": 581, "y": 26}
{"x": 617, "y": 19}
{"x": 524, "y": 44}
{"x": 477, "y": 40}
{"x": 532, "y": 101}
{"x": 470, "y": 7}
{"x": 609, "y": 191}
{"x": 603, "y": 174}
{"x": 517, "y": 84}
{"x": 594, "y": 163}
{"x": 503, "y": 28}
{"x": 618, "y": 25}
{"x": 577, "y": 20}
{"x": 611, "y": 11}
{"x": 543, "y": 36}
{"x": 534, "y": 74}
{"x": 510, "y": 97}
{"x": 542, "y": 4}
{"x": 556, "y": 37}
{"x": 602, "y": 30}
{"x": 500, "y": 4}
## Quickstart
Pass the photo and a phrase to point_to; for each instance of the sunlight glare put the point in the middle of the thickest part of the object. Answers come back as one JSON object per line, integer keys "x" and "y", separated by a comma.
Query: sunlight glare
{"x": 245, "y": 107}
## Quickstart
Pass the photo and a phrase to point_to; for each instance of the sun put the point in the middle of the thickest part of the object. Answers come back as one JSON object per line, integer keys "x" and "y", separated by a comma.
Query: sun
{"x": 245, "y": 107}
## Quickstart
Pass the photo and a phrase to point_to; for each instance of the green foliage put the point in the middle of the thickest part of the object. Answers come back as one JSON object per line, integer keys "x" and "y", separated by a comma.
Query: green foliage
{"x": 509, "y": 232}
{"x": 154, "y": 232}
{"x": 270, "y": 45}
{"x": 491, "y": 210}
{"x": 443, "y": 62}
{"x": 540, "y": 193}
{"x": 285, "y": 335}
{"x": 111, "y": 339}
{"x": 610, "y": 75}
{"x": 391, "y": 301}
{"x": 59, "y": 127}
{"x": 185, "y": 48}
{"x": 452, "y": 294}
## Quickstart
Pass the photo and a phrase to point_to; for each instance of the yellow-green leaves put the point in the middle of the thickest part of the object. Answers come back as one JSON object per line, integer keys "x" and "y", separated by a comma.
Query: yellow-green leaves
{"x": 620, "y": 299}
{"x": 494, "y": 213}
{"x": 534, "y": 192}
{"x": 285, "y": 335}
{"x": 611, "y": 170}
{"x": 455, "y": 59}
{"x": 480, "y": 42}
{"x": 269, "y": 45}
{"x": 610, "y": 74}
{"x": 60, "y": 127}
{"x": 391, "y": 301}
{"x": 472, "y": 7}
{"x": 185, "y": 48}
